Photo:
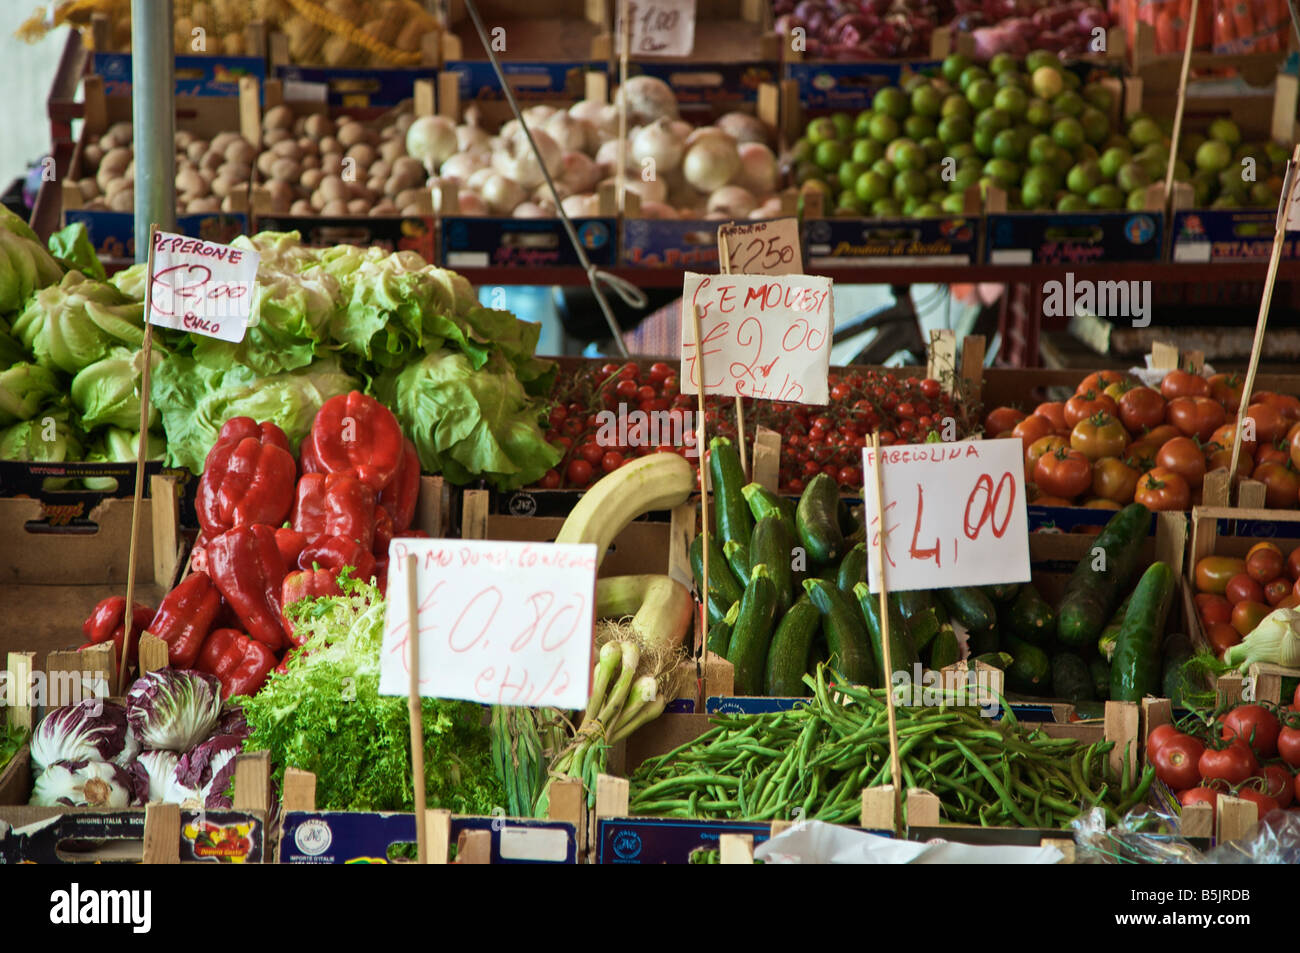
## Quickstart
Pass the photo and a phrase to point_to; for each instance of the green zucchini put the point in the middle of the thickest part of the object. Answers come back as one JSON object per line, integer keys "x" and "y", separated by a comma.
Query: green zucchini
{"x": 718, "y": 607}
{"x": 999, "y": 660}
{"x": 1030, "y": 672}
{"x": 1002, "y": 591}
{"x": 1173, "y": 680}
{"x": 1099, "y": 669}
{"x": 853, "y": 569}
{"x": 915, "y": 600}
{"x": 731, "y": 512}
{"x": 970, "y": 607}
{"x": 945, "y": 650}
{"x": 763, "y": 502}
{"x": 1030, "y": 617}
{"x": 1092, "y": 593}
{"x": 753, "y": 632}
{"x": 1110, "y": 635}
{"x": 846, "y": 634}
{"x": 772, "y": 546}
{"x": 787, "y": 659}
{"x": 720, "y": 632}
{"x": 902, "y": 654}
{"x": 1135, "y": 669}
{"x": 1071, "y": 679}
{"x": 817, "y": 520}
{"x": 982, "y": 641}
{"x": 721, "y": 579}
{"x": 737, "y": 556}
{"x": 922, "y": 628}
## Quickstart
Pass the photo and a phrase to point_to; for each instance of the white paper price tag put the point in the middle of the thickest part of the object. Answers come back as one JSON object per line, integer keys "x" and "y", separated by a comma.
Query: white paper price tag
{"x": 661, "y": 27}
{"x": 501, "y": 623}
{"x": 201, "y": 286}
{"x": 954, "y": 515}
{"x": 766, "y": 336}
{"x": 759, "y": 248}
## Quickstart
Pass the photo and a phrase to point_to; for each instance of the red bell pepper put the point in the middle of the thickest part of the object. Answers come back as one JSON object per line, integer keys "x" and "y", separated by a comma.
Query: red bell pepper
{"x": 307, "y": 462}
{"x": 335, "y": 504}
{"x": 383, "y": 533}
{"x": 240, "y": 664}
{"x": 185, "y": 618}
{"x": 290, "y": 543}
{"x": 109, "y": 617}
{"x": 399, "y": 497}
{"x": 245, "y": 482}
{"x": 199, "y": 554}
{"x": 357, "y": 434}
{"x": 237, "y": 428}
{"x": 336, "y": 552}
{"x": 246, "y": 566}
{"x": 306, "y": 584}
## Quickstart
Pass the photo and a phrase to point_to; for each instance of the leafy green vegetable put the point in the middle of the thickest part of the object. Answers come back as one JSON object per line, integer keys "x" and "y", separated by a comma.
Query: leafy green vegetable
{"x": 325, "y": 715}
{"x": 11, "y": 739}
{"x": 108, "y": 391}
{"x": 49, "y": 438}
{"x": 24, "y": 390}
{"x": 72, "y": 247}
{"x": 77, "y": 322}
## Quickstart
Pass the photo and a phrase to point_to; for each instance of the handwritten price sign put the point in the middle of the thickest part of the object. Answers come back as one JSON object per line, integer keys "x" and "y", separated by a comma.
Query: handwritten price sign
{"x": 763, "y": 336}
{"x": 499, "y": 623}
{"x": 201, "y": 286}
{"x": 954, "y": 514}
{"x": 661, "y": 27}
{"x": 759, "y": 248}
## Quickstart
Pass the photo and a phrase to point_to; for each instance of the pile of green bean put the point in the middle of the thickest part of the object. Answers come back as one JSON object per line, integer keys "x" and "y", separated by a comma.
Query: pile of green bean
{"x": 812, "y": 762}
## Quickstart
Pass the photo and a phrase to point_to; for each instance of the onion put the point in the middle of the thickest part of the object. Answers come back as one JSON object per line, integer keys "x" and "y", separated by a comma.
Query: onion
{"x": 769, "y": 209}
{"x": 581, "y": 206}
{"x": 648, "y": 99}
{"x": 471, "y": 204}
{"x": 432, "y": 140}
{"x": 569, "y": 134}
{"x": 519, "y": 163}
{"x": 657, "y": 141}
{"x": 502, "y": 194}
{"x": 682, "y": 129}
{"x": 478, "y": 177}
{"x": 607, "y": 157}
{"x": 461, "y": 166}
{"x": 758, "y": 170}
{"x": 732, "y": 201}
{"x": 468, "y": 137}
{"x": 578, "y": 172}
{"x": 711, "y": 162}
{"x": 743, "y": 127}
{"x": 602, "y": 118}
{"x": 537, "y": 115}
{"x": 659, "y": 210}
{"x": 529, "y": 210}
{"x": 652, "y": 191}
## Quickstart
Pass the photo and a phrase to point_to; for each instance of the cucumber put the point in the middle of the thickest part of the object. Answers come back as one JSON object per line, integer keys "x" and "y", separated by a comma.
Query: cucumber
{"x": 853, "y": 569}
{"x": 718, "y": 608}
{"x": 914, "y": 601}
{"x": 1099, "y": 669}
{"x": 771, "y": 546}
{"x": 721, "y": 579}
{"x": 846, "y": 635}
{"x": 1071, "y": 679}
{"x": 922, "y": 627}
{"x": 983, "y": 641}
{"x": 999, "y": 660}
{"x": 1110, "y": 635}
{"x": 753, "y": 632}
{"x": 1173, "y": 680}
{"x": 902, "y": 654}
{"x": 1030, "y": 617}
{"x": 1030, "y": 672}
{"x": 763, "y": 502}
{"x": 970, "y": 607}
{"x": 731, "y": 512}
{"x": 1092, "y": 593}
{"x": 945, "y": 650}
{"x": 1002, "y": 591}
{"x": 1135, "y": 669}
{"x": 720, "y": 632}
{"x": 817, "y": 520}
{"x": 787, "y": 659}
{"x": 737, "y": 556}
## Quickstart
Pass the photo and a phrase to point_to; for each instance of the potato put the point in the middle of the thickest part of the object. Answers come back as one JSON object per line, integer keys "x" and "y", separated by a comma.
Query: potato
{"x": 334, "y": 189}
{"x": 212, "y": 159}
{"x": 276, "y": 135}
{"x": 235, "y": 171}
{"x": 196, "y": 150}
{"x": 329, "y": 144}
{"x": 183, "y": 138}
{"x": 286, "y": 169}
{"x": 190, "y": 182}
{"x": 331, "y": 163}
{"x": 264, "y": 163}
{"x": 359, "y": 207}
{"x": 403, "y": 123}
{"x": 287, "y": 149}
{"x": 221, "y": 186}
{"x": 318, "y": 126}
{"x": 281, "y": 195}
{"x": 116, "y": 161}
{"x": 223, "y": 140}
{"x": 203, "y": 205}
{"x": 383, "y": 208}
{"x": 302, "y": 207}
{"x": 88, "y": 189}
{"x": 334, "y": 208}
{"x": 310, "y": 179}
{"x": 309, "y": 162}
{"x": 379, "y": 169}
{"x": 96, "y": 205}
{"x": 408, "y": 197}
{"x": 350, "y": 133}
{"x": 123, "y": 201}
{"x": 278, "y": 117}
{"x": 307, "y": 146}
{"x": 390, "y": 150}
{"x": 91, "y": 156}
{"x": 363, "y": 154}
{"x": 120, "y": 133}
{"x": 242, "y": 151}
{"x": 411, "y": 211}
{"x": 317, "y": 201}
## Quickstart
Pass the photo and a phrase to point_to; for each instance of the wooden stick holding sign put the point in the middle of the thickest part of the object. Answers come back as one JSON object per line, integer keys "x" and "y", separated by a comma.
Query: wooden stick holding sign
{"x": 724, "y": 263}
{"x": 895, "y": 761}
{"x": 701, "y": 447}
{"x": 416, "y": 710}
{"x": 624, "y": 45}
{"x": 1288, "y": 214}
{"x": 1179, "y": 106}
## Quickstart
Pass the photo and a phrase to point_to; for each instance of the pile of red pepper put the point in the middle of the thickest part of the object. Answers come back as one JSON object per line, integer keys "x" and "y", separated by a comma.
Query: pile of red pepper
{"x": 275, "y": 531}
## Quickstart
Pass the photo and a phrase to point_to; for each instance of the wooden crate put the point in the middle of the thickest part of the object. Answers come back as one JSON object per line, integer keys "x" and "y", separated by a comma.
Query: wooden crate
{"x": 553, "y": 30}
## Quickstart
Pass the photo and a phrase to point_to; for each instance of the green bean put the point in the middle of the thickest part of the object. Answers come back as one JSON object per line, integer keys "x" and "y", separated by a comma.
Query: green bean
{"x": 1003, "y": 796}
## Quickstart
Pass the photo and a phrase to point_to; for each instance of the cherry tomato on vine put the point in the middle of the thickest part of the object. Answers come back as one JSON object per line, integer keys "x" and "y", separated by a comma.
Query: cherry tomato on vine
{"x": 1255, "y": 725}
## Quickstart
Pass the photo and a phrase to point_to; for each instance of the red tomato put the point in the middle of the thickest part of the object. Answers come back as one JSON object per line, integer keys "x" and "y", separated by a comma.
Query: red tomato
{"x": 1213, "y": 608}
{"x": 611, "y": 461}
{"x": 1065, "y": 473}
{"x": 1277, "y": 590}
{"x": 1242, "y": 588}
{"x": 1268, "y": 453}
{"x": 1270, "y": 425}
{"x": 1266, "y": 805}
{"x": 1002, "y": 418}
{"x": 1293, "y": 563}
{"x": 1113, "y": 480}
{"x": 1196, "y": 416}
{"x": 1100, "y": 380}
{"x": 1184, "y": 384}
{"x": 1087, "y": 404}
{"x": 1032, "y": 428}
{"x": 1185, "y": 458}
{"x": 1054, "y": 410}
{"x": 1213, "y": 572}
{"x": 550, "y": 480}
{"x": 1288, "y": 745}
{"x": 1161, "y": 489}
{"x": 591, "y": 452}
{"x": 1278, "y": 784}
{"x": 1265, "y": 562}
{"x": 1255, "y": 725}
{"x": 1222, "y": 636}
{"x": 1201, "y": 795}
{"x": 1159, "y": 735}
{"x": 1246, "y": 615}
{"x": 579, "y": 472}
{"x": 1226, "y": 389}
{"x": 1141, "y": 409}
{"x": 1176, "y": 761}
{"x": 1225, "y": 435}
{"x": 1233, "y": 764}
{"x": 1281, "y": 484}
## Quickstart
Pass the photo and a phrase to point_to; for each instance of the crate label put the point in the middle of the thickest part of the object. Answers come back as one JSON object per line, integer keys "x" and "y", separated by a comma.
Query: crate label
{"x": 749, "y": 705}
{"x": 763, "y": 248}
{"x": 1226, "y": 234}
{"x": 475, "y": 79}
{"x": 703, "y": 87}
{"x": 215, "y": 76}
{"x": 849, "y": 86}
{"x": 652, "y": 840}
{"x": 916, "y": 241}
{"x": 391, "y": 233}
{"x": 216, "y": 837}
{"x": 953, "y": 513}
{"x": 670, "y": 243}
{"x": 113, "y": 233}
{"x": 533, "y": 844}
{"x": 1074, "y": 238}
{"x": 476, "y": 242}
{"x": 66, "y": 503}
{"x": 353, "y": 88}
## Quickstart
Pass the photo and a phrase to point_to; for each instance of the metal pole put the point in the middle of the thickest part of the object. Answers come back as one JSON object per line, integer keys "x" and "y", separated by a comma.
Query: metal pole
{"x": 153, "y": 115}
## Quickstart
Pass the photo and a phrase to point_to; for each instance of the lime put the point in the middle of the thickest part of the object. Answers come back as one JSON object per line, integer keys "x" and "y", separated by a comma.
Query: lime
{"x": 1083, "y": 178}
{"x": 843, "y": 125}
{"x": 927, "y": 100}
{"x": 955, "y": 104}
{"x": 1003, "y": 171}
{"x": 891, "y": 101}
{"x": 965, "y": 177}
{"x": 1115, "y": 139}
{"x": 954, "y": 64}
{"x": 1096, "y": 127}
{"x": 1039, "y": 113}
{"x": 1225, "y": 201}
{"x": 1137, "y": 200}
{"x": 1018, "y": 80}
{"x": 1067, "y": 133}
{"x": 1069, "y": 202}
{"x": 862, "y": 124}
{"x": 1277, "y": 153}
{"x": 1037, "y": 58}
{"x": 1068, "y": 103}
{"x": 983, "y": 140}
{"x": 929, "y": 210}
{"x": 1072, "y": 80}
{"x": 963, "y": 150}
{"x": 992, "y": 119}
{"x": 1002, "y": 63}
{"x": 1106, "y": 196}
{"x": 849, "y": 171}
{"x": 1225, "y": 130}
{"x": 1263, "y": 195}
{"x": 884, "y": 167}
{"x": 1131, "y": 176}
{"x": 1144, "y": 132}
{"x": 934, "y": 150}
{"x": 980, "y": 93}
{"x": 912, "y": 203}
{"x": 970, "y": 75}
{"x": 912, "y": 80}
{"x": 866, "y": 151}
{"x": 886, "y": 208}
{"x": 828, "y": 155}
{"x": 801, "y": 151}
{"x": 908, "y": 155}
{"x": 1012, "y": 100}
{"x": 1038, "y": 187}
{"x": 954, "y": 129}
{"x": 1099, "y": 97}
{"x": 1214, "y": 155}
{"x": 1042, "y": 150}
{"x": 1230, "y": 181}
{"x": 1182, "y": 171}
{"x": 1112, "y": 159}
{"x": 918, "y": 127}
{"x": 954, "y": 204}
{"x": 820, "y": 130}
{"x": 807, "y": 171}
{"x": 1009, "y": 144}
{"x": 871, "y": 186}
{"x": 884, "y": 128}
{"x": 850, "y": 203}
{"x": 910, "y": 183}
{"x": 1046, "y": 81}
